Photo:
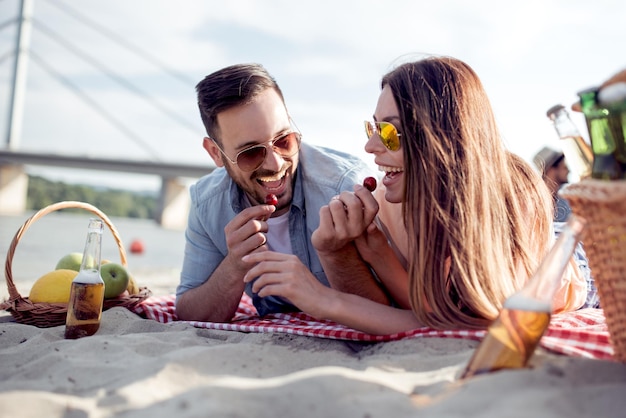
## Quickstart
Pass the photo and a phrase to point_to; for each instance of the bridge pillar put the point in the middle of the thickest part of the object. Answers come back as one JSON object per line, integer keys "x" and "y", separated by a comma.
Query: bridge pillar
{"x": 174, "y": 204}
{"x": 13, "y": 189}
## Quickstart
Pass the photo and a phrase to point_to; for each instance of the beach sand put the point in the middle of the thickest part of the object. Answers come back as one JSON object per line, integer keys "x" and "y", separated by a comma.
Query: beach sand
{"x": 135, "y": 367}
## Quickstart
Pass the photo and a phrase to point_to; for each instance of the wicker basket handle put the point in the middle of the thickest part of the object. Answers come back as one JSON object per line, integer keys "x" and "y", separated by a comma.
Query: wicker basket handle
{"x": 13, "y": 292}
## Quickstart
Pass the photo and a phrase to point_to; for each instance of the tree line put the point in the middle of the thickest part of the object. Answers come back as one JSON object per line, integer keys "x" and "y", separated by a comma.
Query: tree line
{"x": 121, "y": 203}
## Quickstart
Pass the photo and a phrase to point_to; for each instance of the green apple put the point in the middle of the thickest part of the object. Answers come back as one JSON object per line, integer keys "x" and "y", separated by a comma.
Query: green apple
{"x": 70, "y": 261}
{"x": 115, "y": 278}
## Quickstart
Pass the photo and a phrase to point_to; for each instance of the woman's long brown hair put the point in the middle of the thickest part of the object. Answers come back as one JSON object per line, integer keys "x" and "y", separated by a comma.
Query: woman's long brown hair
{"x": 470, "y": 237}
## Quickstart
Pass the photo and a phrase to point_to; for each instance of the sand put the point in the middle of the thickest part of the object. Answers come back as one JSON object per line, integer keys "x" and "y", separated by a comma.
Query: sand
{"x": 135, "y": 367}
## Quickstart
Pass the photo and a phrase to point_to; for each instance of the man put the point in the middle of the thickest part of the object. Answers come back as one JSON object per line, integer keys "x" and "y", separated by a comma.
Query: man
{"x": 258, "y": 151}
{"x": 551, "y": 164}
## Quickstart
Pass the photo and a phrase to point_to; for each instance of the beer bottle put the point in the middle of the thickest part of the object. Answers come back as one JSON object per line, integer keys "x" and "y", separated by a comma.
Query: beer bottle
{"x": 87, "y": 293}
{"x": 578, "y": 153}
{"x": 606, "y": 131}
{"x": 513, "y": 337}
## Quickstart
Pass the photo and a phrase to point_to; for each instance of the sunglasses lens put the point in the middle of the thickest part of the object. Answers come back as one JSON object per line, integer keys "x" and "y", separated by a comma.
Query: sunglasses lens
{"x": 252, "y": 158}
{"x": 287, "y": 145}
{"x": 369, "y": 129}
{"x": 386, "y": 132}
{"x": 389, "y": 136}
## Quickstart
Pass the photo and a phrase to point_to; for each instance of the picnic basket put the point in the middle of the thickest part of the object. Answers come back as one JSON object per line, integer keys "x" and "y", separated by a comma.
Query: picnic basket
{"x": 45, "y": 315}
{"x": 603, "y": 205}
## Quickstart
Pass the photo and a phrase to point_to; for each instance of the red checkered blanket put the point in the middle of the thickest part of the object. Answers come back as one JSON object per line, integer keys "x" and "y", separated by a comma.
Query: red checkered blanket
{"x": 580, "y": 333}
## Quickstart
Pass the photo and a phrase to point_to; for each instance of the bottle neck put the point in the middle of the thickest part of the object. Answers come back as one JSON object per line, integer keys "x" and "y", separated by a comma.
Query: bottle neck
{"x": 91, "y": 254}
{"x": 564, "y": 126}
{"x": 543, "y": 285}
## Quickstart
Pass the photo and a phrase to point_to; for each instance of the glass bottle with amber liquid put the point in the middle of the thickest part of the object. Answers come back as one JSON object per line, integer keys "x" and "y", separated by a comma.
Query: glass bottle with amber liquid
{"x": 578, "y": 153}
{"x": 87, "y": 293}
{"x": 513, "y": 337}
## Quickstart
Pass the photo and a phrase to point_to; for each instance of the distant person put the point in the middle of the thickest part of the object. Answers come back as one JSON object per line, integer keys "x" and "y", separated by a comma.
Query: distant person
{"x": 554, "y": 171}
{"x": 258, "y": 151}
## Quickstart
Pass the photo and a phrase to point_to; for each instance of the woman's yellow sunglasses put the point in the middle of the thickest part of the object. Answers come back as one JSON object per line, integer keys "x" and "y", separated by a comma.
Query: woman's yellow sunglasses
{"x": 387, "y": 133}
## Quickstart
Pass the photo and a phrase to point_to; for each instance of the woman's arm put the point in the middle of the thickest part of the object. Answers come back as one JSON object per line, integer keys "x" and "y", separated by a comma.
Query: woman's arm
{"x": 376, "y": 251}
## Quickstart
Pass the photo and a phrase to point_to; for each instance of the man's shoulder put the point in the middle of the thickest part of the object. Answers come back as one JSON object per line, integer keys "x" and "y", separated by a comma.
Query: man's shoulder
{"x": 214, "y": 184}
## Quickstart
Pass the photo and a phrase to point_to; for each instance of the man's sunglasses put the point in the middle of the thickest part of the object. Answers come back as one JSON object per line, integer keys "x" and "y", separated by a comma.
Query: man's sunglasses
{"x": 251, "y": 158}
{"x": 387, "y": 133}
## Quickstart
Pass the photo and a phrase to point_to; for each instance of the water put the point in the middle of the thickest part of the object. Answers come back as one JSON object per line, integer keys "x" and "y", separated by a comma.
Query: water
{"x": 57, "y": 234}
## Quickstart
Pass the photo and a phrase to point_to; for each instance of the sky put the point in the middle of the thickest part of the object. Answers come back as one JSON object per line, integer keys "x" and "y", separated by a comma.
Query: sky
{"x": 116, "y": 79}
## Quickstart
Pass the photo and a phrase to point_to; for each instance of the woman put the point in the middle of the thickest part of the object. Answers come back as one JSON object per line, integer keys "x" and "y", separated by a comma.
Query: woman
{"x": 472, "y": 239}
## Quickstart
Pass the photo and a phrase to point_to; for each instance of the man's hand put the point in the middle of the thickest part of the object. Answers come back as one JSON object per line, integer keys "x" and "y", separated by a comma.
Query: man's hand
{"x": 217, "y": 299}
{"x": 245, "y": 234}
{"x": 284, "y": 275}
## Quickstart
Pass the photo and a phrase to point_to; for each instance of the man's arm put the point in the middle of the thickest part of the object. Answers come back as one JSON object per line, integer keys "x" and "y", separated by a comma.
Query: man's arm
{"x": 285, "y": 276}
{"x": 217, "y": 299}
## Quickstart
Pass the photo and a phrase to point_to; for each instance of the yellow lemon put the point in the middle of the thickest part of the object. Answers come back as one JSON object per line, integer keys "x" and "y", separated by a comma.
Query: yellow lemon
{"x": 53, "y": 287}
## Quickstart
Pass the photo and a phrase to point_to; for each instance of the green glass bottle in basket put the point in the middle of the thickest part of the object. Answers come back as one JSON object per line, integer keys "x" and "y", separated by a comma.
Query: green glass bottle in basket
{"x": 606, "y": 122}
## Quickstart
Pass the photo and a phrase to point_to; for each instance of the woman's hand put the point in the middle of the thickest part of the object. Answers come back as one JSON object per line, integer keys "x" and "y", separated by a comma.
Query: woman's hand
{"x": 344, "y": 219}
{"x": 373, "y": 245}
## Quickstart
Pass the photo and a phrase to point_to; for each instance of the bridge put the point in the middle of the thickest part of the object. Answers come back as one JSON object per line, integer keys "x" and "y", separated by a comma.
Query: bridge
{"x": 173, "y": 200}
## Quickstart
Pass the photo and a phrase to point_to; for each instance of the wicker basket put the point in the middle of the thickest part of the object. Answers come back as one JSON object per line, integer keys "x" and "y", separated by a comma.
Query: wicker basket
{"x": 603, "y": 205}
{"x": 45, "y": 315}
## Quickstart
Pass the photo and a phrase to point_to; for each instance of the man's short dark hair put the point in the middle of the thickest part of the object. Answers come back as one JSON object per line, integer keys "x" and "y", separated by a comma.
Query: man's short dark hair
{"x": 229, "y": 87}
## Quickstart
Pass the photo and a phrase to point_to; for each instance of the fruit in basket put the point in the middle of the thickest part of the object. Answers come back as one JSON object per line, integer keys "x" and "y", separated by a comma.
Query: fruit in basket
{"x": 71, "y": 261}
{"x": 132, "y": 287}
{"x": 53, "y": 287}
{"x": 115, "y": 278}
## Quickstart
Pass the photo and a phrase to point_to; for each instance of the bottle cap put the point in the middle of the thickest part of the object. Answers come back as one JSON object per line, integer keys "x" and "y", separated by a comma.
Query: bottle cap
{"x": 588, "y": 90}
{"x": 554, "y": 109}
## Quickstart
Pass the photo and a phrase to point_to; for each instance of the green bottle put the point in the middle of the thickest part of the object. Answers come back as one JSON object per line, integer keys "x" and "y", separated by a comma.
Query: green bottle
{"x": 606, "y": 131}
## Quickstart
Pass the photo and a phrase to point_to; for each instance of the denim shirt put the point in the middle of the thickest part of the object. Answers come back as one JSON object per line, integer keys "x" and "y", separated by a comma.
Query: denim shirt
{"x": 215, "y": 200}
{"x": 562, "y": 209}
{"x": 592, "y": 300}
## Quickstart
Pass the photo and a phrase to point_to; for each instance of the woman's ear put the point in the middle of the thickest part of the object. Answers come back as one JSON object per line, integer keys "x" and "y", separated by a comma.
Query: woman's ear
{"x": 213, "y": 150}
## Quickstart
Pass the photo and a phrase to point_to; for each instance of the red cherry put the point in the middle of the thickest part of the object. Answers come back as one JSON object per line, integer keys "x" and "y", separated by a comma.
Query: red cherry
{"x": 369, "y": 183}
{"x": 271, "y": 199}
